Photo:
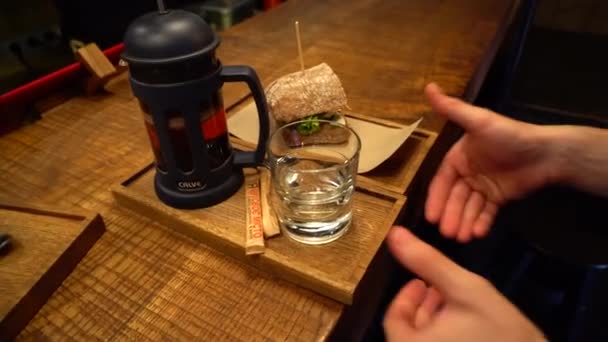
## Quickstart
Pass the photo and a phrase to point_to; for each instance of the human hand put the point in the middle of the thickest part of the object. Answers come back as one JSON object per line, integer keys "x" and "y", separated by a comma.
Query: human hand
{"x": 497, "y": 160}
{"x": 457, "y": 306}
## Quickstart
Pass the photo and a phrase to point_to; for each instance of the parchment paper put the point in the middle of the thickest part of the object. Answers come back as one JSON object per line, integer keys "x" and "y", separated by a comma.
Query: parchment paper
{"x": 378, "y": 142}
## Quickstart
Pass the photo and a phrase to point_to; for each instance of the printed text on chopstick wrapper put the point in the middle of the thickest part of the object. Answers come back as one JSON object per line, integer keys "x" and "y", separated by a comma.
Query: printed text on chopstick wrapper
{"x": 254, "y": 228}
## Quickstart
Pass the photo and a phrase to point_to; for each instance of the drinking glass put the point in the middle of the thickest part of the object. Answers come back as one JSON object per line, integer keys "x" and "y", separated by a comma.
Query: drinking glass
{"x": 313, "y": 179}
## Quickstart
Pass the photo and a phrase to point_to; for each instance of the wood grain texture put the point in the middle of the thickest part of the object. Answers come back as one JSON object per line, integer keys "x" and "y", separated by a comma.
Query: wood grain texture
{"x": 47, "y": 244}
{"x": 383, "y": 51}
{"x": 97, "y": 64}
{"x": 334, "y": 269}
{"x": 143, "y": 281}
{"x": 95, "y": 61}
{"x": 140, "y": 280}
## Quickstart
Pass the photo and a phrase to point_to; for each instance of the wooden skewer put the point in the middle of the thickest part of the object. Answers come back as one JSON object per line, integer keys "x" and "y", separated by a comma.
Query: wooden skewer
{"x": 299, "y": 41}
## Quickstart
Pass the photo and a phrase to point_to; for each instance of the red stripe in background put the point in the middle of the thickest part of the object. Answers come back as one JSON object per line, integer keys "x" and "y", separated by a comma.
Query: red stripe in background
{"x": 268, "y": 4}
{"x": 42, "y": 86}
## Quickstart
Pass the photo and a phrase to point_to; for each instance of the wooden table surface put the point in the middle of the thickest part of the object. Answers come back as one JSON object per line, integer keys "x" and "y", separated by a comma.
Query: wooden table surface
{"x": 142, "y": 281}
{"x": 384, "y": 52}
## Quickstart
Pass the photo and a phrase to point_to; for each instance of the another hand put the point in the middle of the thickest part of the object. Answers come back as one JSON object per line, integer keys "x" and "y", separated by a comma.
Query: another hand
{"x": 457, "y": 306}
{"x": 497, "y": 160}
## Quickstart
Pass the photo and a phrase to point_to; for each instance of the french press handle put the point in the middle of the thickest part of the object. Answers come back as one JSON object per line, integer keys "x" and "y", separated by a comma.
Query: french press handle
{"x": 243, "y": 73}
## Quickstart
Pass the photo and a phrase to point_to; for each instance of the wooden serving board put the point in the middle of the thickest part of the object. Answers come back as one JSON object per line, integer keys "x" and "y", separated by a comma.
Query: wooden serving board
{"x": 334, "y": 269}
{"x": 46, "y": 246}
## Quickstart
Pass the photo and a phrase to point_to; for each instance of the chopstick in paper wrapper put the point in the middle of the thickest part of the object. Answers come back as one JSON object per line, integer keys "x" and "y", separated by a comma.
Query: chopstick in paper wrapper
{"x": 254, "y": 235}
{"x": 269, "y": 219}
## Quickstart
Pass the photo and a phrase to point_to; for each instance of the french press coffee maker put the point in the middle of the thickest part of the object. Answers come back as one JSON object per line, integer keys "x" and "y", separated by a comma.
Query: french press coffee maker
{"x": 177, "y": 79}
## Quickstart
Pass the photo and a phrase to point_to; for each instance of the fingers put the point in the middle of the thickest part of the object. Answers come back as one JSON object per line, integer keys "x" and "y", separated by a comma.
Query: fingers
{"x": 439, "y": 190}
{"x": 426, "y": 262}
{"x": 465, "y": 115}
{"x": 471, "y": 212}
{"x": 485, "y": 219}
{"x": 461, "y": 212}
{"x": 401, "y": 314}
{"x": 428, "y": 308}
{"x": 412, "y": 309}
{"x": 407, "y": 301}
{"x": 450, "y": 220}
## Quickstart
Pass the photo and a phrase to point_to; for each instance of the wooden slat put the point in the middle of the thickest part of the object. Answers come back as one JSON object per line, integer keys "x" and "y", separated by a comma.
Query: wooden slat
{"x": 47, "y": 243}
{"x": 334, "y": 270}
{"x": 95, "y": 61}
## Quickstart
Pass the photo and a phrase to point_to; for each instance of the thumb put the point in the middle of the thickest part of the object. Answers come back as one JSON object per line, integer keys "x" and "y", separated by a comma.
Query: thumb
{"x": 428, "y": 263}
{"x": 467, "y": 116}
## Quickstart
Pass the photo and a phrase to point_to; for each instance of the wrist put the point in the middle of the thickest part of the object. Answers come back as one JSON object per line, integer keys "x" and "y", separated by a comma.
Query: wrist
{"x": 556, "y": 143}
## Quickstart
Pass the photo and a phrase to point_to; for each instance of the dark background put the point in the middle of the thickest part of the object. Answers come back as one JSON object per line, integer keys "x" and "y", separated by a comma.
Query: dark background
{"x": 35, "y": 35}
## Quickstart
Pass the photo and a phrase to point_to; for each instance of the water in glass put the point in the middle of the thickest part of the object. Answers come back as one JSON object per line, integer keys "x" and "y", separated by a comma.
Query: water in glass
{"x": 314, "y": 195}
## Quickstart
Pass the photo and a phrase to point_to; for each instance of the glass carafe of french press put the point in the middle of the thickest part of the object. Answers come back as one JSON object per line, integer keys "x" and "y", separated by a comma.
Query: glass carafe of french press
{"x": 177, "y": 80}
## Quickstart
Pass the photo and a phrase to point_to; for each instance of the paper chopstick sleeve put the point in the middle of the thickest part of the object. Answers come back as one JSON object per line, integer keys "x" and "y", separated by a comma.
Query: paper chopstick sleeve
{"x": 271, "y": 225}
{"x": 254, "y": 235}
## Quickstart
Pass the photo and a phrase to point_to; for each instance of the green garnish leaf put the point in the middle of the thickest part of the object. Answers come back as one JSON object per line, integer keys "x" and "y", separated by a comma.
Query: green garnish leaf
{"x": 310, "y": 125}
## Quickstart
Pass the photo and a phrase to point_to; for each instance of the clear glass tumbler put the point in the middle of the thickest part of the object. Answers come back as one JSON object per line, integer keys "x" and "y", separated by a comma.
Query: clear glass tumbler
{"x": 313, "y": 167}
